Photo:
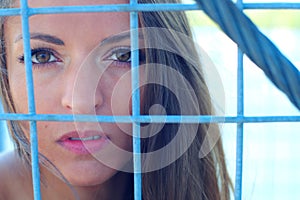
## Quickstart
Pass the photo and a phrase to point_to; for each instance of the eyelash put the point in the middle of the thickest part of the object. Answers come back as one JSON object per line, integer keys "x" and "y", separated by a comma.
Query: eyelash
{"x": 113, "y": 57}
{"x": 34, "y": 51}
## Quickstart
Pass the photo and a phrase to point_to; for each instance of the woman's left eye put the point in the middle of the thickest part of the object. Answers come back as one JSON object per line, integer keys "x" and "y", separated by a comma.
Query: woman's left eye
{"x": 120, "y": 55}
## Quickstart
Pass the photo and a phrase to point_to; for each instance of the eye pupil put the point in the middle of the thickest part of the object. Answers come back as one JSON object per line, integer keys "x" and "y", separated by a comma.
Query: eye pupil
{"x": 123, "y": 56}
{"x": 42, "y": 56}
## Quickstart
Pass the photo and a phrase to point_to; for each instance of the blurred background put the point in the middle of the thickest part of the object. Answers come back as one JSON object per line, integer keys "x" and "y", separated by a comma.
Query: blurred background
{"x": 271, "y": 150}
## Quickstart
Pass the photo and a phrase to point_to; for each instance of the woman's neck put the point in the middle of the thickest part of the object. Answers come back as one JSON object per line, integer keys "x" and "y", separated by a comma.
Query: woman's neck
{"x": 116, "y": 187}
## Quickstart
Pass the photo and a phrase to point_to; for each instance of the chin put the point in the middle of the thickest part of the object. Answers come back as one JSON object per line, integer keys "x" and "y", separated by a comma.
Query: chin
{"x": 90, "y": 178}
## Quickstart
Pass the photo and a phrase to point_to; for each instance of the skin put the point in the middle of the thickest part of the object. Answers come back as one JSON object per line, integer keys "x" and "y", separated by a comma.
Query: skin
{"x": 70, "y": 84}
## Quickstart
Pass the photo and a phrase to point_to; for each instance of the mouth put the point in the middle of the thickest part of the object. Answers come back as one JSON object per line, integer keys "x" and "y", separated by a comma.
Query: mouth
{"x": 86, "y": 142}
{"x": 95, "y": 137}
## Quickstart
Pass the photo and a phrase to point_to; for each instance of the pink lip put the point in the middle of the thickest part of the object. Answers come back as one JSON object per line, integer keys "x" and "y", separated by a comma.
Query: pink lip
{"x": 81, "y": 147}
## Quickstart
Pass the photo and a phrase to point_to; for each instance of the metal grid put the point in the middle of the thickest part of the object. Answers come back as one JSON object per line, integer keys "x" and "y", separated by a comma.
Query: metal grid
{"x": 133, "y": 7}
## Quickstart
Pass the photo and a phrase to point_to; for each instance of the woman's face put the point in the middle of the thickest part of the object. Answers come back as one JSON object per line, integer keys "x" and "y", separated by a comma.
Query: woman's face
{"x": 81, "y": 65}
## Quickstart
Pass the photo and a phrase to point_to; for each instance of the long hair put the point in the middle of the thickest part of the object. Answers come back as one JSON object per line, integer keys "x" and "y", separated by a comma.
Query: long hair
{"x": 20, "y": 141}
{"x": 188, "y": 176}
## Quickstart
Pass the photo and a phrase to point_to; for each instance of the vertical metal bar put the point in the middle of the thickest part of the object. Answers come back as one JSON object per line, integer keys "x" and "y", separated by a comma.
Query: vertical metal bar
{"x": 5, "y": 140}
{"x": 2, "y": 137}
{"x": 240, "y": 129}
{"x": 240, "y": 126}
{"x": 31, "y": 104}
{"x": 135, "y": 103}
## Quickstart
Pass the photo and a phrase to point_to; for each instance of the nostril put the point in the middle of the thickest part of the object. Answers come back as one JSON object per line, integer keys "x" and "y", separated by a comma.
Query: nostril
{"x": 81, "y": 105}
{"x": 97, "y": 105}
{"x": 68, "y": 107}
{"x": 84, "y": 98}
{"x": 66, "y": 103}
{"x": 99, "y": 98}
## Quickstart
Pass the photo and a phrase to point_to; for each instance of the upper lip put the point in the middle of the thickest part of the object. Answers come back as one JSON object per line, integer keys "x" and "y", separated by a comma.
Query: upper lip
{"x": 82, "y": 134}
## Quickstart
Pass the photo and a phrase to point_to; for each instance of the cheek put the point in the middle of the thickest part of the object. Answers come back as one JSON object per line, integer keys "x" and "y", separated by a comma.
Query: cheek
{"x": 18, "y": 90}
{"x": 44, "y": 95}
{"x": 121, "y": 99}
{"x": 121, "y": 95}
{"x": 46, "y": 99}
{"x": 116, "y": 90}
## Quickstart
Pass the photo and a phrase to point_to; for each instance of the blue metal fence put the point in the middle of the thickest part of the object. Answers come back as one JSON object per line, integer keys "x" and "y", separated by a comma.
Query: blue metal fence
{"x": 136, "y": 118}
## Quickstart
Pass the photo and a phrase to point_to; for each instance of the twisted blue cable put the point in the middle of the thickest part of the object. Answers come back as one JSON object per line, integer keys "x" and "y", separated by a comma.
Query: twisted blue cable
{"x": 255, "y": 45}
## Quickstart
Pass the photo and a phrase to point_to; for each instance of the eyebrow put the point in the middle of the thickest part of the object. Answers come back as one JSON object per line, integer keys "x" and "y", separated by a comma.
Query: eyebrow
{"x": 54, "y": 40}
{"x": 43, "y": 37}
{"x": 118, "y": 37}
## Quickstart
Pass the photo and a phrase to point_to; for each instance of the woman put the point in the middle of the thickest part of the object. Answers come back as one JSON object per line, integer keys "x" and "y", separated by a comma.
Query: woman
{"x": 81, "y": 65}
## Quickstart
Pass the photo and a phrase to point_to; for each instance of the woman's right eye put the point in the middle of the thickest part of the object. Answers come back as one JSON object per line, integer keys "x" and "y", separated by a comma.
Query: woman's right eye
{"x": 42, "y": 56}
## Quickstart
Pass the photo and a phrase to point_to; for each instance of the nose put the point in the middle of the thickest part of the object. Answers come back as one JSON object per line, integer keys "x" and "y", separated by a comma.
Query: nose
{"x": 82, "y": 91}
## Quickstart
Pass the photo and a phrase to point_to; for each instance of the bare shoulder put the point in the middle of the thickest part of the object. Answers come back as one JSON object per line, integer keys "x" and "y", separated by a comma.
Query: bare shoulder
{"x": 7, "y": 164}
{"x": 12, "y": 175}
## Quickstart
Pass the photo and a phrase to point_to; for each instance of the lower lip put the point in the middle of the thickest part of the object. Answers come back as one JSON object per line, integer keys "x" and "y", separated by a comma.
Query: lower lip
{"x": 84, "y": 147}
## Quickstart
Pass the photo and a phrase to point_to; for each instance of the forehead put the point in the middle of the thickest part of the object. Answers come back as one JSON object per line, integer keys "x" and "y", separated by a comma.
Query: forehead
{"x": 73, "y": 25}
{"x": 55, "y": 3}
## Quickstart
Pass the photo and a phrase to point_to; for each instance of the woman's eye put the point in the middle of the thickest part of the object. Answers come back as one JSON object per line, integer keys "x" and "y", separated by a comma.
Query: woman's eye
{"x": 121, "y": 55}
{"x": 42, "y": 57}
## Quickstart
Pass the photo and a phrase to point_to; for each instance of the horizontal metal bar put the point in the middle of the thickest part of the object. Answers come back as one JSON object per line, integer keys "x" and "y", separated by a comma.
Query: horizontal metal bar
{"x": 271, "y": 6}
{"x": 10, "y": 12}
{"x": 116, "y": 8}
{"x": 149, "y": 118}
{"x": 103, "y": 8}
{"x": 138, "y": 7}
